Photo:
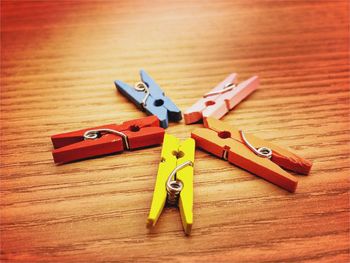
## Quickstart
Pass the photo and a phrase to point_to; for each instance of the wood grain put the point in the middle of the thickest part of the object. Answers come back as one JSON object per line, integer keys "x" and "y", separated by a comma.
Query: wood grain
{"x": 58, "y": 63}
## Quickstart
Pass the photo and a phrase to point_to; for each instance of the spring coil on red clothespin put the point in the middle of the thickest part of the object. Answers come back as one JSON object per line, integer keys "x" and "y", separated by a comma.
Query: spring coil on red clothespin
{"x": 94, "y": 134}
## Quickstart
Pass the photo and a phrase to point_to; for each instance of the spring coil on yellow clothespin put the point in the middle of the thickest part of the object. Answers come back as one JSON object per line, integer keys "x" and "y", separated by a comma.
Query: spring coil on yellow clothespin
{"x": 175, "y": 186}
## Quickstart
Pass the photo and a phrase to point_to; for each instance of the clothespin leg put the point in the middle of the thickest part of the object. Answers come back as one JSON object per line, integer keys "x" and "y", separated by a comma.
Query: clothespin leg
{"x": 186, "y": 177}
{"x": 166, "y": 165}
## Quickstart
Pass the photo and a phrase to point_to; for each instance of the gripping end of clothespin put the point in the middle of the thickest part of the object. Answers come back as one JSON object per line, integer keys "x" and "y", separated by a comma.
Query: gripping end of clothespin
{"x": 291, "y": 161}
{"x": 163, "y": 120}
{"x": 160, "y": 101}
{"x": 143, "y": 132}
{"x": 165, "y": 115}
{"x": 192, "y": 117}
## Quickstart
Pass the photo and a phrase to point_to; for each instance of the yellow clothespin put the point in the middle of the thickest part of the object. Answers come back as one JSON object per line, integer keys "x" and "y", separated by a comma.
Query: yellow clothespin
{"x": 174, "y": 184}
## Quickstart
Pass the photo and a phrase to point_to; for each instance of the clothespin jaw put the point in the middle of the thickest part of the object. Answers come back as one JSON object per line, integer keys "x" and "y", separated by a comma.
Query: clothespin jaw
{"x": 106, "y": 139}
{"x": 174, "y": 154}
{"x": 151, "y": 99}
{"x": 220, "y": 100}
{"x": 226, "y": 142}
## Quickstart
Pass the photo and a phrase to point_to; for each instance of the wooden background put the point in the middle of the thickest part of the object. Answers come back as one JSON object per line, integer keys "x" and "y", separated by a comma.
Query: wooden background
{"x": 58, "y": 63}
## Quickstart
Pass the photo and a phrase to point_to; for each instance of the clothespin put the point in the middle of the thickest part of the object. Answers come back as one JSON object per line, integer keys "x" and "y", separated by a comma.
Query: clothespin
{"x": 174, "y": 184}
{"x": 251, "y": 153}
{"x": 221, "y": 99}
{"x": 148, "y": 96}
{"x": 106, "y": 139}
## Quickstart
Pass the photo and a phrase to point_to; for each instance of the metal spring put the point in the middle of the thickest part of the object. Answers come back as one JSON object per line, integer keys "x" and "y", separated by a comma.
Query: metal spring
{"x": 174, "y": 192}
{"x": 227, "y": 87}
{"x": 174, "y": 187}
{"x": 94, "y": 134}
{"x": 263, "y": 152}
{"x": 141, "y": 86}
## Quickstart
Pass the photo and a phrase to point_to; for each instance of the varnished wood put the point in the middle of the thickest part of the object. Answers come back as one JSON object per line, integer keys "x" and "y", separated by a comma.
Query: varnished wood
{"x": 58, "y": 63}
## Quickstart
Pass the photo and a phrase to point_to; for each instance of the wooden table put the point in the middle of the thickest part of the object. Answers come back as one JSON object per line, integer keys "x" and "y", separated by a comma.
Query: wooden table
{"x": 58, "y": 63}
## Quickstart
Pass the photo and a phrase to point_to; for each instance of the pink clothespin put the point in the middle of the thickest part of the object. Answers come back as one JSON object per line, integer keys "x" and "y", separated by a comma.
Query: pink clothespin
{"x": 220, "y": 100}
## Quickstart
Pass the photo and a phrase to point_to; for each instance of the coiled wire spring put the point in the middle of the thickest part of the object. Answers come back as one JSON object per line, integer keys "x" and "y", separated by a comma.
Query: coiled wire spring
{"x": 141, "y": 86}
{"x": 174, "y": 186}
{"x": 94, "y": 134}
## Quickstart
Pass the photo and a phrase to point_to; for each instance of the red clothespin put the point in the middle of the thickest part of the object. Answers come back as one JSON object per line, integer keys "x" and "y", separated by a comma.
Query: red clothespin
{"x": 251, "y": 153}
{"x": 106, "y": 139}
{"x": 220, "y": 100}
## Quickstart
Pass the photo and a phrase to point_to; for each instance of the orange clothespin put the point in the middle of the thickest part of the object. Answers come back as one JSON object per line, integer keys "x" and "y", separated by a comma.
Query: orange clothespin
{"x": 221, "y": 99}
{"x": 251, "y": 153}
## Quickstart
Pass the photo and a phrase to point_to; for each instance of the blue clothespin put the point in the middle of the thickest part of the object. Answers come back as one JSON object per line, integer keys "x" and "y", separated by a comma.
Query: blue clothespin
{"x": 148, "y": 96}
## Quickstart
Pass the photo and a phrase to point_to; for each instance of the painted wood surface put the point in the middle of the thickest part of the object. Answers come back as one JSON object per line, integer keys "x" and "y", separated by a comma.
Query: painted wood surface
{"x": 59, "y": 60}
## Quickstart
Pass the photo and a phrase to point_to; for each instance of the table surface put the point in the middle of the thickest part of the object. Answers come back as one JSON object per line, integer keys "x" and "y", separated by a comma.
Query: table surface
{"x": 58, "y": 63}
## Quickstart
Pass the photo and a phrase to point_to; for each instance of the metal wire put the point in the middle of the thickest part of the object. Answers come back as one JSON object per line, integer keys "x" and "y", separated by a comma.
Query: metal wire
{"x": 225, "y": 155}
{"x": 141, "y": 86}
{"x": 262, "y": 151}
{"x": 174, "y": 187}
{"x": 227, "y": 87}
{"x": 94, "y": 134}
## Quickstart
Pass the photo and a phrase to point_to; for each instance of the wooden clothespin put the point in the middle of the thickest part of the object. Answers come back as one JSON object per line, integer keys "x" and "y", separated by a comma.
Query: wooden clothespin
{"x": 148, "y": 96}
{"x": 251, "y": 153}
{"x": 106, "y": 139}
{"x": 174, "y": 184}
{"x": 220, "y": 100}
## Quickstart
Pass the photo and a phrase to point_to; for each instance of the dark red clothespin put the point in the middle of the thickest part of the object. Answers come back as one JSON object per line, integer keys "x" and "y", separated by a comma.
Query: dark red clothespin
{"x": 106, "y": 139}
